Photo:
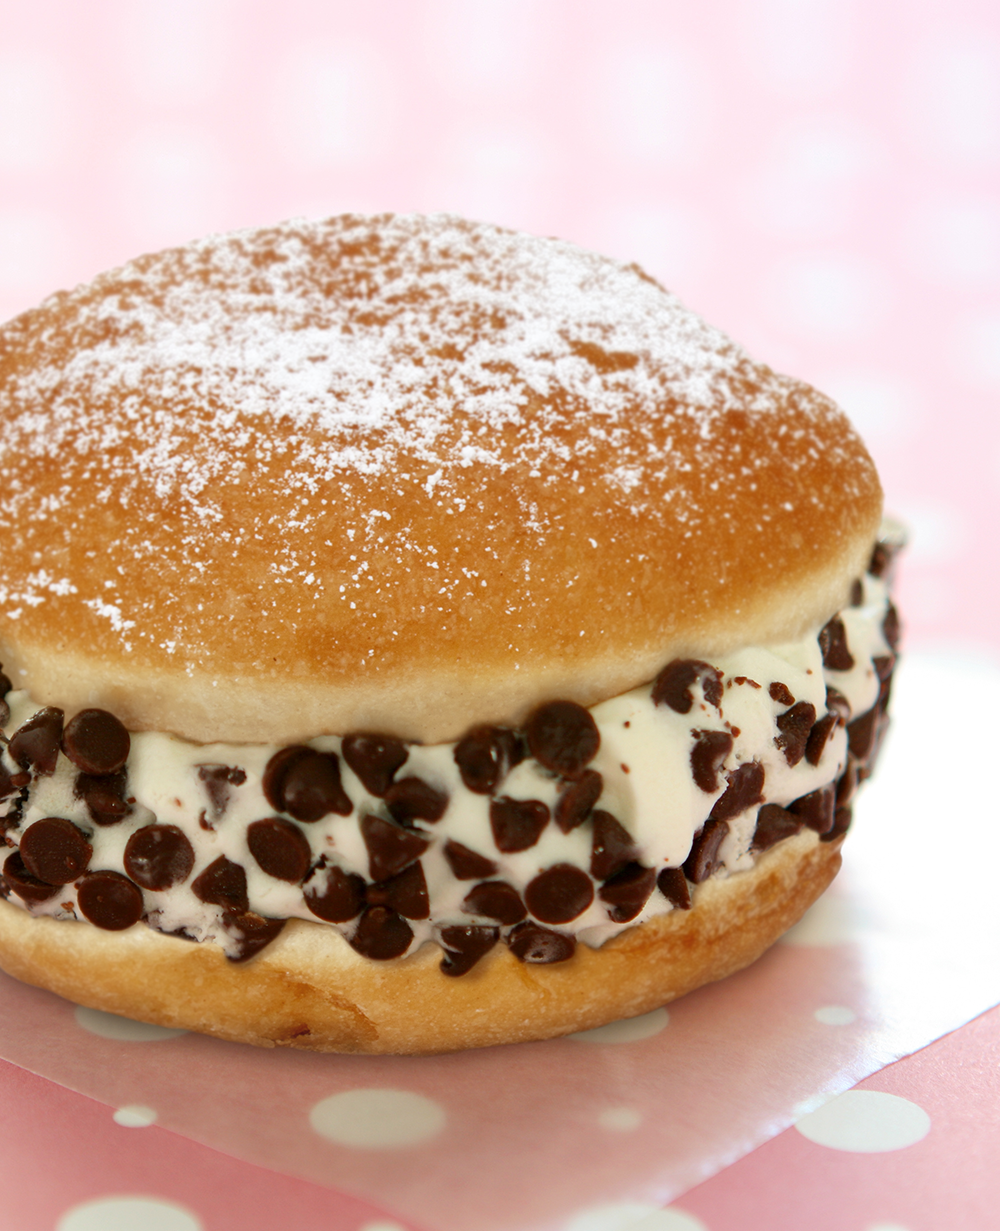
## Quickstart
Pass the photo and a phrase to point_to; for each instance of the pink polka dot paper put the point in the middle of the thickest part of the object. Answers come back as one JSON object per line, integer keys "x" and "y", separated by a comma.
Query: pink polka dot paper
{"x": 631, "y": 1114}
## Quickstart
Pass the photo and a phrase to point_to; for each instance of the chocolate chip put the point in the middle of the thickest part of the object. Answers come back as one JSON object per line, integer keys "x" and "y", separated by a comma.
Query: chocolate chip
{"x": 406, "y": 893}
{"x": 251, "y": 931}
{"x": 833, "y": 643}
{"x": 4, "y": 713}
{"x": 281, "y": 849}
{"x": 222, "y": 883}
{"x": 862, "y": 733}
{"x": 538, "y": 946}
{"x": 55, "y": 851}
{"x": 794, "y": 726}
{"x": 890, "y": 627}
{"x": 628, "y": 891}
{"x": 390, "y": 846}
{"x": 818, "y": 737}
{"x": 412, "y": 799}
{"x": 20, "y": 881}
{"x": 781, "y": 693}
{"x": 105, "y": 796}
{"x": 774, "y": 824}
{"x": 612, "y": 846}
{"x": 745, "y": 788}
{"x": 563, "y": 737}
{"x": 673, "y": 884}
{"x": 841, "y": 824}
{"x": 7, "y": 787}
{"x": 109, "y": 900}
{"x": 816, "y": 808}
{"x": 96, "y": 742}
{"x": 575, "y": 803}
{"x": 311, "y": 787}
{"x": 559, "y": 894}
{"x": 381, "y": 934}
{"x": 707, "y": 755}
{"x": 374, "y": 759}
{"x": 305, "y": 783}
{"x": 517, "y": 824}
{"x": 884, "y": 664}
{"x": 485, "y": 755}
{"x": 674, "y": 683}
{"x": 467, "y": 865}
{"x": 158, "y": 857}
{"x": 5, "y": 684}
{"x": 882, "y": 558}
{"x": 341, "y": 899}
{"x": 464, "y": 946}
{"x": 218, "y": 779}
{"x": 704, "y": 857}
{"x": 837, "y": 703}
{"x": 857, "y": 596}
{"x": 35, "y": 743}
{"x": 495, "y": 900}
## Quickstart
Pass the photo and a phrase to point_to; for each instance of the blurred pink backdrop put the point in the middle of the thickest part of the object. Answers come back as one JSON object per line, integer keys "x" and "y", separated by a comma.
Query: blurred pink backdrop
{"x": 819, "y": 177}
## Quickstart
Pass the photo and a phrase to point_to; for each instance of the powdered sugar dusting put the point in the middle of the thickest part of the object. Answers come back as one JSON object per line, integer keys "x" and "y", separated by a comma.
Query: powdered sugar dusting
{"x": 384, "y": 428}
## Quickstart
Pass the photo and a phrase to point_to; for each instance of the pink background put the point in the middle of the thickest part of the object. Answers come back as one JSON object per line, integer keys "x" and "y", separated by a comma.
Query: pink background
{"x": 820, "y": 177}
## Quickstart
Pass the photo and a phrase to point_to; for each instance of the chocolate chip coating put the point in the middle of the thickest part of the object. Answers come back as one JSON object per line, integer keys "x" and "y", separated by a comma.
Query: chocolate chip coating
{"x": 539, "y": 946}
{"x": 109, "y": 900}
{"x": 744, "y": 788}
{"x": 405, "y": 893}
{"x": 495, "y": 900}
{"x": 816, "y": 809}
{"x": 342, "y": 898}
{"x": 374, "y": 759}
{"x": 251, "y": 931}
{"x": 517, "y": 824}
{"x": 563, "y": 737}
{"x": 674, "y": 684}
{"x": 412, "y": 799}
{"x": 818, "y": 737}
{"x": 222, "y": 883}
{"x": 55, "y": 851}
{"x": 467, "y": 865}
{"x": 280, "y": 848}
{"x": 559, "y": 894}
{"x": 485, "y": 755}
{"x": 35, "y": 743}
{"x": 311, "y": 787}
{"x": 627, "y": 892}
{"x": 794, "y": 727}
{"x": 390, "y": 846}
{"x": 704, "y": 857}
{"x": 96, "y": 742}
{"x": 464, "y": 946}
{"x": 104, "y": 795}
{"x": 773, "y": 825}
{"x": 381, "y": 934}
{"x": 833, "y": 643}
{"x": 709, "y": 751}
{"x": 218, "y": 780}
{"x": 157, "y": 857}
{"x": 673, "y": 884}
{"x": 20, "y": 881}
{"x": 576, "y": 802}
{"x": 612, "y": 846}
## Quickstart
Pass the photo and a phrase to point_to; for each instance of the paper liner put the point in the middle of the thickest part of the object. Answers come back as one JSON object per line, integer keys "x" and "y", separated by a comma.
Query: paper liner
{"x": 527, "y": 1137}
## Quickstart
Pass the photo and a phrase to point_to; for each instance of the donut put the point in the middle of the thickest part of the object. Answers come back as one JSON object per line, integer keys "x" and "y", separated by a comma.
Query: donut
{"x": 418, "y": 635}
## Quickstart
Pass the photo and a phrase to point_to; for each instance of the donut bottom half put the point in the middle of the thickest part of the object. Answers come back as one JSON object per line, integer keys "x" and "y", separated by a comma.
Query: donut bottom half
{"x": 310, "y": 990}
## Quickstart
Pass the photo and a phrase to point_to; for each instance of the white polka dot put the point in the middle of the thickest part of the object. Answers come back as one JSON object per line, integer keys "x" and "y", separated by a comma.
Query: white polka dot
{"x": 955, "y": 241}
{"x": 668, "y": 241}
{"x": 128, "y": 1214}
{"x": 110, "y": 1026}
{"x": 839, "y": 297}
{"x": 381, "y": 1224}
{"x": 655, "y": 103}
{"x": 31, "y": 247}
{"x": 377, "y": 1118}
{"x": 805, "y": 47}
{"x": 171, "y": 49}
{"x": 886, "y": 1226}
{"x": 835, "y": 1015}
{"x": 631, "y": 1030}
{"x": 832, "y": 920}
{"x": 135, "y": 1115}
{"x": 634, "y": 1216}
{"x": 954, "y": 103}
{"x": 620, "y": 1119}
{"x": 171, "y": 178}
{"x": 866, "y": 1122}
{"x": 490, "y": 44}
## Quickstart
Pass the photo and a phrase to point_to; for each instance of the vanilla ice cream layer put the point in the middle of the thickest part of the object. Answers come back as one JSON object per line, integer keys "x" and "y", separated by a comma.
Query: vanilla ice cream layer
{"x": 644, "y": 759}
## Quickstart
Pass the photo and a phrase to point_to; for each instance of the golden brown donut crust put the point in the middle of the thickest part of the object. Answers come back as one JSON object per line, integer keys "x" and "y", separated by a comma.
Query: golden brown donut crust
{"x": 216, "y": 522}
{"x": 309, "y": 989}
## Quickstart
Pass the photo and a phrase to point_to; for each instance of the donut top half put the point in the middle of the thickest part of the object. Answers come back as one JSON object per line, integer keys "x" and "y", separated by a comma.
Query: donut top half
{"x": 399, "y": 473}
